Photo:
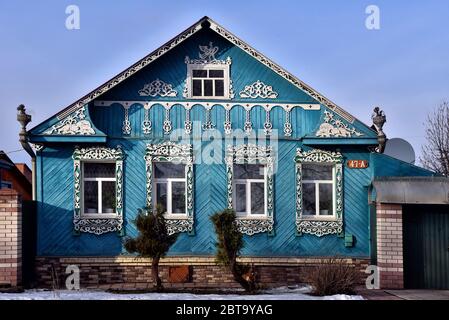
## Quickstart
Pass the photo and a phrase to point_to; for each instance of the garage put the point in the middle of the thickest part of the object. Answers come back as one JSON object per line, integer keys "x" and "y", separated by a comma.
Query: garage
{"x": 410, "y": 236}
{"x": 426, "y": 246}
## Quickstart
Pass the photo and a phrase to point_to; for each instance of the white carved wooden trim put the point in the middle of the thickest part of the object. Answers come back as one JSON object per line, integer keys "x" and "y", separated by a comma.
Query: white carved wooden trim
{"x": 98, "y": 225}
{"x": 227, "y": 124}
{"x": 335, "y": 128}
{"x": 158, "y": 88}
{"x": 74, "y": 124}
{"x": 208, "y": 125}
{"x": 171, "y": 152}
{"x": 181, "y": 38}
{"x": 251, "y": 153}
{"x": 288, "y": 125}
{"x": 126, "y": 128}
{"x": 280, "y": 71}
{"x": 146, "y": 124}
{"x": 167, "y": 122}
{"x": 227, "y": 105}
{"x": 267, "y": 126}
{"x": 188, "y": 126}
{"x": 167, "y": 127}
{"x": 314, "y": 225}
{"x": 258, "y": 90}
{"x": 248, "y": 126}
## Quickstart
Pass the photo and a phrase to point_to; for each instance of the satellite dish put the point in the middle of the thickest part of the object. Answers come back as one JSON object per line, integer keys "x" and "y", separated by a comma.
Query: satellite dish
{"x": 400, "y": 149}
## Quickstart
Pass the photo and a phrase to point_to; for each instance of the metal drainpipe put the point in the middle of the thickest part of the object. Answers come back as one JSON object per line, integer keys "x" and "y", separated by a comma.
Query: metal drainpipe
{"x": 23, "y": 118}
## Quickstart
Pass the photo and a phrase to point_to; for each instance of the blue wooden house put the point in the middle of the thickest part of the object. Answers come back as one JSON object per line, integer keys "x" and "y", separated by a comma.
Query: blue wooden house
{"x": 204, "y": 123}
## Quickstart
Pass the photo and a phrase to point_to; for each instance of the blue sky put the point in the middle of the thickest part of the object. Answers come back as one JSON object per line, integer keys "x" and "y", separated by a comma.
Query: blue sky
{"x": 403, "y": 67}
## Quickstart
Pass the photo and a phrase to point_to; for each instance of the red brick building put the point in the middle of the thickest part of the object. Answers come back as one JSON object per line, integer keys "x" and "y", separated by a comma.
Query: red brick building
{"x": 16, "y": 176}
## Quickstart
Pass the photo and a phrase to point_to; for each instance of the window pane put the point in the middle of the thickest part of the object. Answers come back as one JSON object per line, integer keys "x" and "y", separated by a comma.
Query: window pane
{"x": 257, "y": 198}
{"x": 199, "y": 73}
{"x": 161, "y": 195}
{"x": 317, "y": 172}
{"x": 6, "y": 185}
{"x": 90, "y": 196}
{"x": 178, "y": 191}
{"x": 219, "y": 88}
{"x": 216, "y": 73}
{"x": 325, "y": 199}
{"x": 208, "y": 91}
{"x": 248, "y": 171}
{"x": 99, "y": 170}
{"x": 169, "y": 170}
{"x": 308, "y": 199}
{"x": 197, "y": 91}
{"x": 240, "y": 198}
{"x": 108, "y": 196}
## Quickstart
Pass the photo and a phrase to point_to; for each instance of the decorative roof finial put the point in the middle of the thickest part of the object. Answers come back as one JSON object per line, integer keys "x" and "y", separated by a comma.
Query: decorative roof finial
{"x": 379, "y": 119}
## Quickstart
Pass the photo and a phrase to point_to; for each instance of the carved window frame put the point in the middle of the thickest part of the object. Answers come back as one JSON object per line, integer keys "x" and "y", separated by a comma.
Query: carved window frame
{"x": 179, "y": 153}
{"x": 98, "y": 225}
{"x": 320, "y": 226}
{"x": 227, "y": 90}
{"x": 252, "y": 154}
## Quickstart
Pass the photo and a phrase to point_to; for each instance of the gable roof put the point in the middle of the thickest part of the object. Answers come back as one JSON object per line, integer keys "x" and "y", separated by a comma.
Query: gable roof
{"x": 205, "y": 22}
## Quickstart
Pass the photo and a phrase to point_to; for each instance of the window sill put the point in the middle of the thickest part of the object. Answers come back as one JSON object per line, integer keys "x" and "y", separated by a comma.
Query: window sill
{"x": 176, "y": 216}
{"x": 252, "y": 217}
{"x": 209, "y": 98}
{"x": 99, "y": 216}
{"x": 318, "y": 218}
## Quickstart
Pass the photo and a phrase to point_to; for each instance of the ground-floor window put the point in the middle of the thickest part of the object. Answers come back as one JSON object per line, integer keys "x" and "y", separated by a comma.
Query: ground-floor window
{"x": 250, "y": 190}
{"x": 170, "y": 187}
{"x": 319, "y": 192}
{"x": 250, "y": 175}
{"x": 98, "y": 186}
{"x": 169, "y": 172}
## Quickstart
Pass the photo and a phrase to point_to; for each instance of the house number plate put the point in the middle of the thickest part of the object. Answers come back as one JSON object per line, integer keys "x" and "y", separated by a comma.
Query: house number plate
{"x": 357, "y": 164}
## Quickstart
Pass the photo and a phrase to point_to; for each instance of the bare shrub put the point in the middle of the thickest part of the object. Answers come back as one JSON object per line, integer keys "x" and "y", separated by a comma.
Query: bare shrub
{"x": 333, "y": 276}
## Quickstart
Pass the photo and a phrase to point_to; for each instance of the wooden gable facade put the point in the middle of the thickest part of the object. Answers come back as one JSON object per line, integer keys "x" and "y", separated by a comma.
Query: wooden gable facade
{"x": 151, "y": 112}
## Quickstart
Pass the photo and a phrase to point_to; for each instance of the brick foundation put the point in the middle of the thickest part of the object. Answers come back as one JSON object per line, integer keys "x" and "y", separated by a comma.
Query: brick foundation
{"x": 10, "y": 238}
{"x": 128, "y": 272}
{"x": 390, "y": 246}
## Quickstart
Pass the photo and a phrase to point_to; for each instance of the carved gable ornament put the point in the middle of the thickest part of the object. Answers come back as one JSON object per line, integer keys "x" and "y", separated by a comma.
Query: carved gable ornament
{"x": 158, "y": 88}
{"x": 74, "y": 124}
{"x": 207, "y": 56}
{"x": 258, "y": 90}
{"x": 333, "y": 127}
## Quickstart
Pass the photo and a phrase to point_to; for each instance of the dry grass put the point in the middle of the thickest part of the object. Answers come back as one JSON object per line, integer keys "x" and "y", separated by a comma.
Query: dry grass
{"x": 333, "y": 276}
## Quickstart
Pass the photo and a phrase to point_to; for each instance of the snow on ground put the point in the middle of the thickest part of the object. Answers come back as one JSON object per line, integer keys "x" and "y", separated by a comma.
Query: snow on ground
{"x": 282, "y": 293}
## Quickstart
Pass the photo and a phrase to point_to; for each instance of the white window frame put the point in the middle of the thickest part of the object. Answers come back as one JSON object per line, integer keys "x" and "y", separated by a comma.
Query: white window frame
{"x": 99, "y": 181}
{"x": 317, "y": 183}
{"x": 170, "y": 151}
{"x": 247, "y": 183}
{"x": 226, "y": 80}
{"x": 97, "y": 223}
{"x": 315, "y": 224}
{"x": 169, "y": 214}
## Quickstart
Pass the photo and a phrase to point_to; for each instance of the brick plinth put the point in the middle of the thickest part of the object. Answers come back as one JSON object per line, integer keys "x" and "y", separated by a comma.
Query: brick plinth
{"x": 389, "y": 246}
{"x": 204, "y": 273}
{"x": 10, "y": 238}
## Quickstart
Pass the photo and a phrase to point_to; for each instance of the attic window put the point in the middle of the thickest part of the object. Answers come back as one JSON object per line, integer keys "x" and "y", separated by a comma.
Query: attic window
{"x": 208, "y": 81}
